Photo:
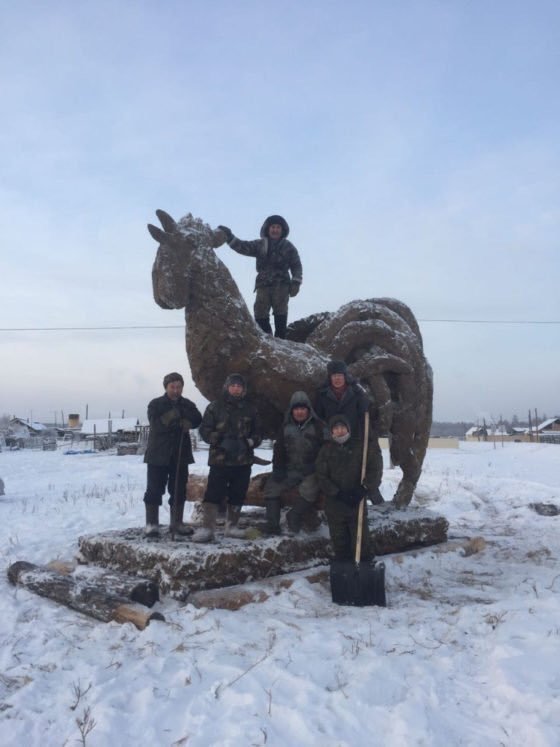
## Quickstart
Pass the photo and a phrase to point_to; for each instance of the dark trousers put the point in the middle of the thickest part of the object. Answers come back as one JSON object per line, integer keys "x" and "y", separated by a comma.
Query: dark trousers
{"x": 228, "y": 482}
{"x": 343, "y": 528}
{"x": 161, "y": 477}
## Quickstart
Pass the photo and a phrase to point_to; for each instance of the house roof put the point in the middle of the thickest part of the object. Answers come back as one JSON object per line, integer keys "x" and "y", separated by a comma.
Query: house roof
{"x": 101, "y": 425}
{"x": 32, "y": 426}
{"x": 547, "y": 423}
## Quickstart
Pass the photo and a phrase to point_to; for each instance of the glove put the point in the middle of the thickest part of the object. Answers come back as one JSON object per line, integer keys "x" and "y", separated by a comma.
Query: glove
{"x": 169, "y": 416}
{"x": 227, "y": 233}
{"x": 352, "y": 497}
{"x": 294, "y": 288}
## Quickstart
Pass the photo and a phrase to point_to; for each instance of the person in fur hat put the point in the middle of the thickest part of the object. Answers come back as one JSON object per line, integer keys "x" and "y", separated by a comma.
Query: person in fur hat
{"x": 169, "y": 452}
{"x": 279, "y": 271}
{"x": 293, "y": 464}
{"x": 341, "y": 394}
{"x": 231, "y": 426}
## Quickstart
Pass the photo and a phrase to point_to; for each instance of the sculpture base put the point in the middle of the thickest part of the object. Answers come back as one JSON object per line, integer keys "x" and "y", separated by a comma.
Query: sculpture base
{"x": 180, "y": 567}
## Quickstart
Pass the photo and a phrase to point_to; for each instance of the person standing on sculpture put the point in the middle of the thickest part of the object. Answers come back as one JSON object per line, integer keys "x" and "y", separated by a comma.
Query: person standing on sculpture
{"x": 341, "y": 394}
{"x": 231, "y": 426}
{"x": 339, "y": 474}
{"x": 279, "y": 271}
{"x": 169, "y": 452}
{"x": 293, "y": 464}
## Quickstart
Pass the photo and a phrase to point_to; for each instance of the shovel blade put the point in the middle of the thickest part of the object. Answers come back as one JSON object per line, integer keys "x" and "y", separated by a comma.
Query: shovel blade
{"x": 358, "y": 584}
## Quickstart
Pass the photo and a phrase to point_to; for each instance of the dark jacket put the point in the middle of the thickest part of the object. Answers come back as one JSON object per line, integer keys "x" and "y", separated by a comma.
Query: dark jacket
{"x": 353, "y": 404}
{"x": 227, "y": 425}
{"x": 339, "y": 466}
{"x": 165, "y": 416}
{"x": 276, "y": 260}
{"x": 297, "y": 445}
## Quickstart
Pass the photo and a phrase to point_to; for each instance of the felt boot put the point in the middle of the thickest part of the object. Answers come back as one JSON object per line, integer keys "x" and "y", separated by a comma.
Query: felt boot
{"x": 205, "y": 533}
{"x": 272, "y": 516}
{"x": 231, "y": 529}
{"x": 295, "y": 515}
{"x": 180, "y": 527}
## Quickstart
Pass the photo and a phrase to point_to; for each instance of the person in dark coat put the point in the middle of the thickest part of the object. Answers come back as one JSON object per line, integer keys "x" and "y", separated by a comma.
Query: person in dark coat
{"x": 339, "y": 472}
{"x": 293, "y": 464}
{"x": 341, "y": 394}
{"x": 231, "y": 426}
{"x": 169, "y": 452}
{"x": 279, "y": 271}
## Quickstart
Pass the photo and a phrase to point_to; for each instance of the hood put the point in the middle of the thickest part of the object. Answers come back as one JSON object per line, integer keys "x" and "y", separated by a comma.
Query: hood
{"x": 339, "y": 419}
{"x": 275, "y": 219}
{"x": 296, "y": 399}
{"x": 233, "y": 377}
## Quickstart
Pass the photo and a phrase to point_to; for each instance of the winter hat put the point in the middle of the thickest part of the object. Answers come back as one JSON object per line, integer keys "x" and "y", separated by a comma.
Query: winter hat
{"x": 275, "y": 219}
{"x": 235, "y": 378}
{"x": 339, "y": 420}
{"x": 168, "y": 378}
{"x": 337, "y": 367}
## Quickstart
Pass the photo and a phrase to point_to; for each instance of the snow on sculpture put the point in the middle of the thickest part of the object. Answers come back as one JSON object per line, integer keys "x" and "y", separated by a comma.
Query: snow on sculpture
{"x": 378, "y": 338}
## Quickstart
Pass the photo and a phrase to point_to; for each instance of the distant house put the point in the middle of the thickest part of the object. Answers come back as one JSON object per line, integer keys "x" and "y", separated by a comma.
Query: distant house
{"x": 23, "y": 433}
{"x": 124, "y": 429}
{"x": 477, "y": 433}
{"x": 23, "y": 428}
{"x": 549, "y": 431}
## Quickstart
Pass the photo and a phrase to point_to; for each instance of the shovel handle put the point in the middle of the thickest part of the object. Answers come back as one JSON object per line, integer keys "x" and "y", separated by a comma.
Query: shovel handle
{"x": 362, "y": 502}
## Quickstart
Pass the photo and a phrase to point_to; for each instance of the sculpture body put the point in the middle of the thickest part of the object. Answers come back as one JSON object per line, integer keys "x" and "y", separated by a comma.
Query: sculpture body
{"x": 378, "y": 338}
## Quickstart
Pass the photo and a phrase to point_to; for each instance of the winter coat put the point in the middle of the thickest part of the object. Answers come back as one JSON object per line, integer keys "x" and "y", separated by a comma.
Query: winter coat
{"x": 339, "y": 467}
{"x": 276, "y": 260}
{"x": 353, "y": 404}
{"x": 297, "y": 445}
{"x": 167, "y": 420}
{"x": 227, "y": 425}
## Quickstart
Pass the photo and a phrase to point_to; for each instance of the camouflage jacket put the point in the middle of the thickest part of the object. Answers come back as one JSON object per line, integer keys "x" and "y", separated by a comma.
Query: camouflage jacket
{"x": 297, "y": 445}
{"x": 277, "y": 262}
{"x": 227, "y": 425}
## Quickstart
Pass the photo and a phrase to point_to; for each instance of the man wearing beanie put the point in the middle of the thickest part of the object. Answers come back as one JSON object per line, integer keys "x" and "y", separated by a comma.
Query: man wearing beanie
{"x": 169, "y": 452}
{"x": 232, "y": 428}
{"x": 279, "y": 271}
{"x": 341, "y": 394}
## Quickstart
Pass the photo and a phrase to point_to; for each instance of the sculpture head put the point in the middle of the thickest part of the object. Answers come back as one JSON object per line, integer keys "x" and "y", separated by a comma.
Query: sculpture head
{"x": 178, "y": 244}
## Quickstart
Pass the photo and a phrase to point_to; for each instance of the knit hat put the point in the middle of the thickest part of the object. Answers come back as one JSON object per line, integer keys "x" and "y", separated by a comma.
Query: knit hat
{"x": 337, "y": 367}
{"x": 170, "y": 377}
{"x": 339, "y": 420}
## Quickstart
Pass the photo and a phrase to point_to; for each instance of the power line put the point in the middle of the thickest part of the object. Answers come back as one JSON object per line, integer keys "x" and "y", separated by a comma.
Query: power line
{"x": 181, "y": 326}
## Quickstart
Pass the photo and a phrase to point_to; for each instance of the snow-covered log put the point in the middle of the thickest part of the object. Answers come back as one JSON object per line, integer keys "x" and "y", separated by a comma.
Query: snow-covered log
{"x": 85, "y": 597}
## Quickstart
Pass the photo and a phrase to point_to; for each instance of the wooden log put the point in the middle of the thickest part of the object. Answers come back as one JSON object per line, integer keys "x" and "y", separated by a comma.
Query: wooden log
{"x": 140, "y": 590}
{"x": 235, "y": 597}
{"x": 79, "y": 595}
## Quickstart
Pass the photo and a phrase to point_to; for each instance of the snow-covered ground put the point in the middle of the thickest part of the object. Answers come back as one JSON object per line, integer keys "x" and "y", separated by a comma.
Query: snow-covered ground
{"x": 466, "y": 653}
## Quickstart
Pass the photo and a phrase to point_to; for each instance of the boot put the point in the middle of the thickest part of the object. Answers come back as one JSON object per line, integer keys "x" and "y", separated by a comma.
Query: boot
{"x": 375, "y": 497}
{"x": 280, "y": 324}
{"x": 295, "y": 515}
{"x": 232, "y": 530}
{"x": 152, "y": 520}
{"x": 180, "y": 527}
{"x": 205, "y": 533}
{"x": 264, "y": 324}
{"x": 272, "y": 516}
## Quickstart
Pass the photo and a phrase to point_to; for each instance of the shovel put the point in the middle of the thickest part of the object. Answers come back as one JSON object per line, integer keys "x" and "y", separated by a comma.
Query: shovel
{"x": 359, "y": 583}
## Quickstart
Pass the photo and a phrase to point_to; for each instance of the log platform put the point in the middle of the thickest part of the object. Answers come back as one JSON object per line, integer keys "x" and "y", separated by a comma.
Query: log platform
{"x": 181, "y": 567}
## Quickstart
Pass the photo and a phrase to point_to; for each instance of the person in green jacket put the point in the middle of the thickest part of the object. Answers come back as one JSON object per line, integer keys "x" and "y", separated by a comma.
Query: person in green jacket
{"x": 339, "y": 472}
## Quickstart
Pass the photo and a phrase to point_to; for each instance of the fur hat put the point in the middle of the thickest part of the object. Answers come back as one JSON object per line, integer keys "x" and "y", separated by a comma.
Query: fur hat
{"x": 275, "y": 219}
{"x": 168, "y": 378}
{"x": 337, "y": 367}
{"x": 235, "y": 378}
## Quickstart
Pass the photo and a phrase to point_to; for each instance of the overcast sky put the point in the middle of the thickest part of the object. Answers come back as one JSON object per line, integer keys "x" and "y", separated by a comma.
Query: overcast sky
{"x": 412, "y": 145}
